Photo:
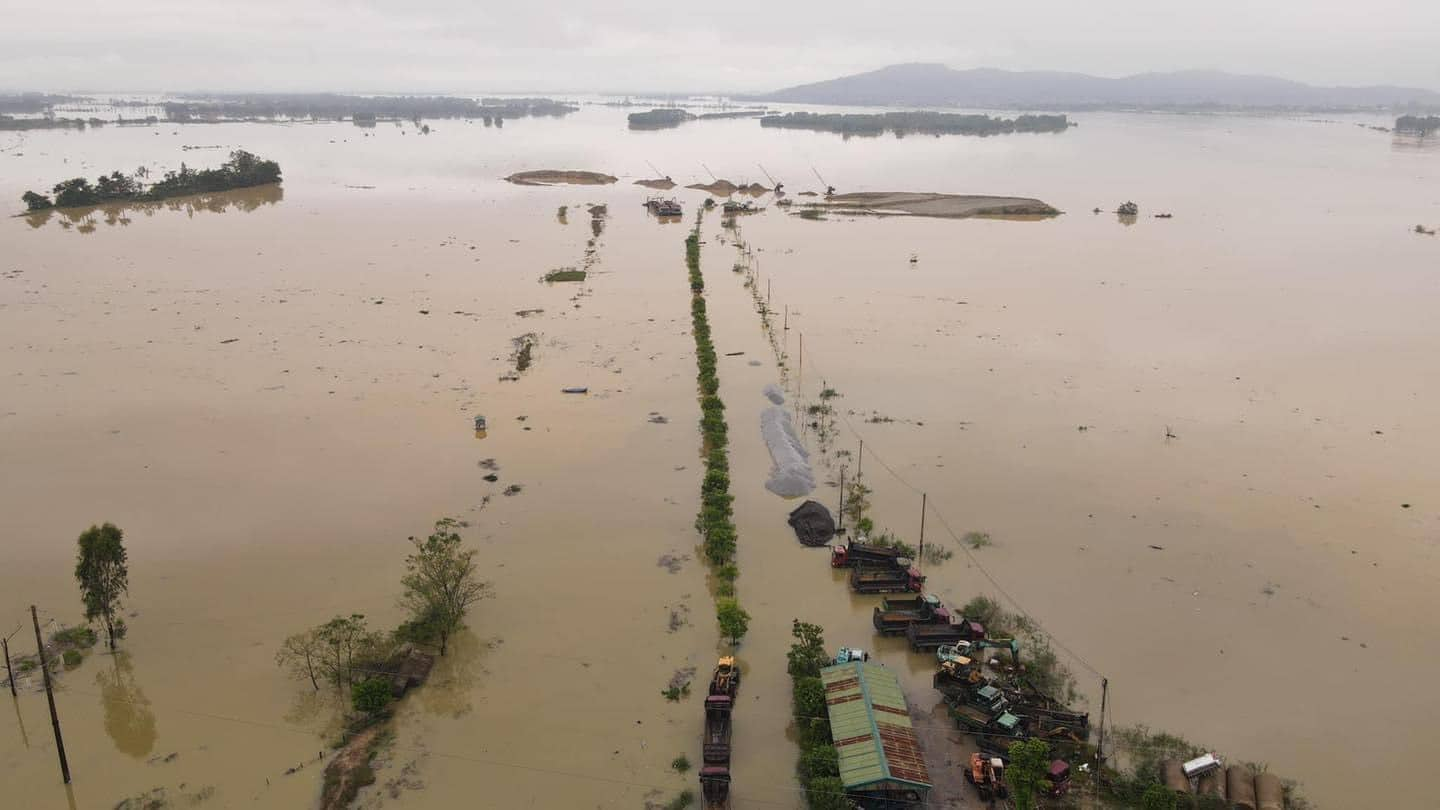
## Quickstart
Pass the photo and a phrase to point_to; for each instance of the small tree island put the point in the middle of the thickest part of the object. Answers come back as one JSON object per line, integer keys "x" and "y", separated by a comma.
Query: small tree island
{"x": 242, "y": 170}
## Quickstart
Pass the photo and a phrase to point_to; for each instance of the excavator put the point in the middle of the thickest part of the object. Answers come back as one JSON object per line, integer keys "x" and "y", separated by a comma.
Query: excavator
{"x": 987, "y": 774}
{"x": 999, "y": 644}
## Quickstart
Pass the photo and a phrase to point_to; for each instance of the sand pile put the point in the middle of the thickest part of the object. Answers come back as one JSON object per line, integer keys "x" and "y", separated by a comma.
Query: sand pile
{"x": 550, "y": 177}
{"x": 790, "y": 473}
{"x": 660, "y": 184}
{"x": 720, "y": 188}
{"x": 938, "y": 205}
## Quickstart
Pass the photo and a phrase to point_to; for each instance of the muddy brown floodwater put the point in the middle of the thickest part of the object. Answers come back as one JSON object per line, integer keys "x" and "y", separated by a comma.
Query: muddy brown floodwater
{"x": 270, "y": 393}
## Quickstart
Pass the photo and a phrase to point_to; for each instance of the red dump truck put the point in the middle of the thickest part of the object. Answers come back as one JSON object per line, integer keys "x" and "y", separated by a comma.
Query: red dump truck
{"x": 886, "y": 580}
{"x": 863, "y": 554}
{"x": 895, "y": 615}
{"x": 717, "y": 730}
{"x": 930, "y": 636}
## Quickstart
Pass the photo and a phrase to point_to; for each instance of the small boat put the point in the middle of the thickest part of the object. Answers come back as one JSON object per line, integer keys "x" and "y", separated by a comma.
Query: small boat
{"x": 479, "y": 423}
{"x": 732, "y": 207}
{"x": 664, "y": 208}
{"x": 577, "y": 389}
{"x": 1164, "y": 216}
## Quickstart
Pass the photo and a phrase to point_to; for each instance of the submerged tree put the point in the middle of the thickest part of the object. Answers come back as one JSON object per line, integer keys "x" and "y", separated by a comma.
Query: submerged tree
{"x": 441, "y": 583}
{"x": 103, "y": 575}
{"x": 39, "y": 202}
{"x": 301, "y": 655}
{"x": 734, "y": 621}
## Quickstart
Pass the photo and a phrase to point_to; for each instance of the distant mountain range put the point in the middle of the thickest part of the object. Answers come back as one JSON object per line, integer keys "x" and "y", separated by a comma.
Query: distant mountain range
{"x": 933, "y": 85}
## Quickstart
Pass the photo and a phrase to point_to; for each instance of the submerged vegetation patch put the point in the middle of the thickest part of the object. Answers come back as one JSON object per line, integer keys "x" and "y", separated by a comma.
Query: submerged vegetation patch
{"x": 562, "y": 274}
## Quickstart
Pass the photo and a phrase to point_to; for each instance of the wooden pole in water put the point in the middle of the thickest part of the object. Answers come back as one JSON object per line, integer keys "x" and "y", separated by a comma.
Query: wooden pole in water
{"x": 787, "y": 317}
{"x": 839, "y": 526}
{"x": 9, "y": 673}
{"x": 50, "y": 696}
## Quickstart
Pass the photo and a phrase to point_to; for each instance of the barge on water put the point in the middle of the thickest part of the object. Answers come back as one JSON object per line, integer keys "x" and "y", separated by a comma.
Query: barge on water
{"x": 662, "y": 207}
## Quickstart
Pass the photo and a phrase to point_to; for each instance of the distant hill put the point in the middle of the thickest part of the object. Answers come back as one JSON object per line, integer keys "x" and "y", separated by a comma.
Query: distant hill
{"x": 933, "y": 85}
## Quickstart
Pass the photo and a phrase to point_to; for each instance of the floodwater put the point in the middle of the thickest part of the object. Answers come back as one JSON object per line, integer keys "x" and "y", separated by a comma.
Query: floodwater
{"x": 269, "y": 392}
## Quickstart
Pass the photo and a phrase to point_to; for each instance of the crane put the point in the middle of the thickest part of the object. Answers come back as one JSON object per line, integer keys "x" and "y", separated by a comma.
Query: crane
{"x": 778, "y": 186}
{"x": 829, "y": 189}
{"x": 658, "y": 173}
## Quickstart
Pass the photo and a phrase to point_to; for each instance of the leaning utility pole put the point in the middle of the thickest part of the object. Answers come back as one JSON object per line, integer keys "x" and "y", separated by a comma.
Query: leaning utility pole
{"x": 50, "y": 696}
{"x": 9, "y": 673}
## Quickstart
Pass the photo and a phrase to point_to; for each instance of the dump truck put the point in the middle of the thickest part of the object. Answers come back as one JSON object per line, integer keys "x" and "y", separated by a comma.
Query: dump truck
{"x": 717, "y": 730}
{"x": 892, "y": 621}
{"x": 886, "y": 580}
{"x": 715, "y": 785}
{"x": 931, "y": 636}
{"x": 864, "y": 554}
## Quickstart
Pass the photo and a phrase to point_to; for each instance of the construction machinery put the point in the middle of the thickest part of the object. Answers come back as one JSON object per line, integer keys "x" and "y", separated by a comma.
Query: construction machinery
{"x": 726, "y": 680}
{"x": 931, "y": 636}
{"x": 891, "y": 580}
{"x": 987, "y": 774}
{"x": 863, "y": 554}
{"x": 777, "y": 185}
{"x": 895, "y": 615}
{"x": 716, "y": 746}
{"x": 1011, "y": 644}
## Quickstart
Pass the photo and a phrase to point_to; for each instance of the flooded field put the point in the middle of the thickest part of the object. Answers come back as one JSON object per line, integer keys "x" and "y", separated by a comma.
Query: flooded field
{"x": 1200, "y": 444}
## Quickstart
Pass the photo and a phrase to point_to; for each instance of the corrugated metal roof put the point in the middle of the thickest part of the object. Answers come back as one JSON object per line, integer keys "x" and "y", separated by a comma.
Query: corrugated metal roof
{"x": 870, "y": 723}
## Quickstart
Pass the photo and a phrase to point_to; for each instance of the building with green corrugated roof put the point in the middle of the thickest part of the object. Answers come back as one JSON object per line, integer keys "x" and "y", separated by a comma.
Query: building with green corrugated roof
{"x": 879, "y": 754}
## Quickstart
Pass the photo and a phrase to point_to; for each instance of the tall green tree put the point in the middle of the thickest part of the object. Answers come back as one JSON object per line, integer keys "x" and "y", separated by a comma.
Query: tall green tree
{"x": 807, "y": 655}
{"x": 734, "y": 621}
{"x": 103, "y": 574}
{"x": 441, "y": 582}
{"x": 1029, "y": 764}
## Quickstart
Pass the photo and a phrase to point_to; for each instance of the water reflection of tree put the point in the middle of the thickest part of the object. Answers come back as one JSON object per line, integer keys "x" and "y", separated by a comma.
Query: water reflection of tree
{"x": 128, "y": 718}
{"x": 451, "y": 684}
{"x": 85, "y": 220}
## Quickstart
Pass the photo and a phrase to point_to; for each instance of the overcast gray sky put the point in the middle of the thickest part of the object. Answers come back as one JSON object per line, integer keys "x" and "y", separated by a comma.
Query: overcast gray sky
{"x": 725, "y": 45}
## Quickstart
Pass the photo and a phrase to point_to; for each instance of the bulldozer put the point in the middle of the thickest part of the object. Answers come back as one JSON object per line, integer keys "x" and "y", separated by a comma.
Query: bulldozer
{"x": 726, "y": 680}
{"x": 987, "y": 774}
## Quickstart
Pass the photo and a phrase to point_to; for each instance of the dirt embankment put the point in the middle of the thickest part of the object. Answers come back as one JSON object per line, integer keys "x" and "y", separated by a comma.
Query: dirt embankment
{"x": 349, "y": 770}
{"x": 938, "y": 205}
{"x": 551, "y": 177}
{"x": 659, "y": 184}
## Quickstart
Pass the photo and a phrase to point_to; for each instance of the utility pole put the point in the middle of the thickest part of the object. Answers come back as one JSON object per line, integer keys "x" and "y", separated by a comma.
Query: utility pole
{"x": 1100, "y": 744}
{"x": 50, "y": 696}
{"x": 923, "y": 498}
{"x": 840, "y": 526}
{"x": 860, "y": 461}
{"x": 9, "y": 673}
